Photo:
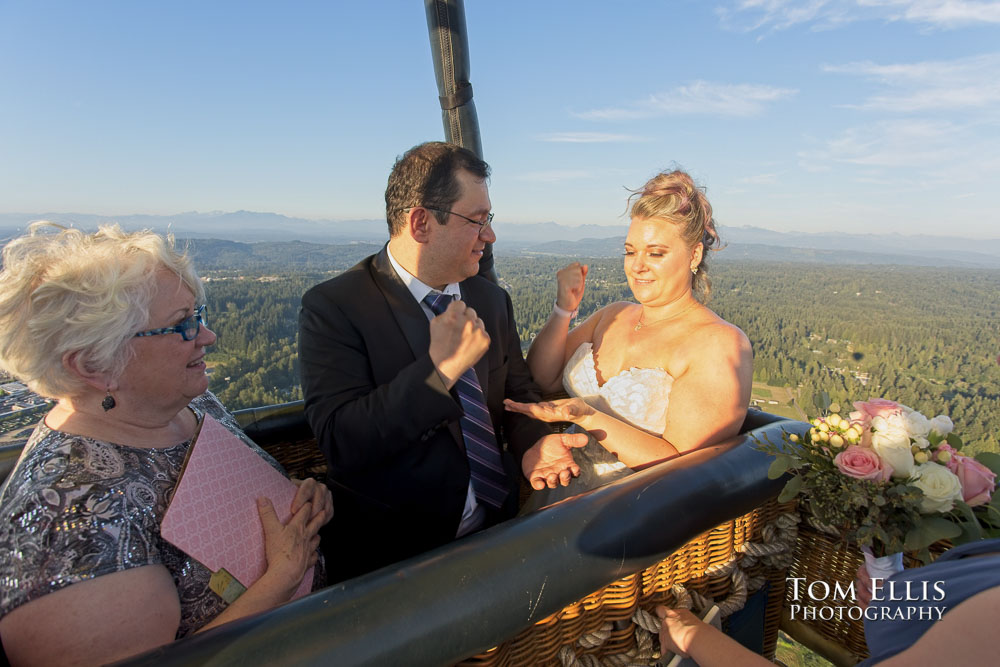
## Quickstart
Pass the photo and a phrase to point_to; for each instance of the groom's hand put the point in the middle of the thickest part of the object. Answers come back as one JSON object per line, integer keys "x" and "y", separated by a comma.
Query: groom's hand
{"x": 458, "y": 340}
{"x": 550, "y": 462}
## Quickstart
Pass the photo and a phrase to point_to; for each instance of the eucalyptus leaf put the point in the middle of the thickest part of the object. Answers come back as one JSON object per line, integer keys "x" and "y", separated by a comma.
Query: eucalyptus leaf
{"x": 971, "y": 528}
{"x": 954, "y": 440}
{"x": 779, "y": 466}
{"x": 791, "y": 489}
{"x": 965, "y": 510}
{"x": 991, "y": 460}
{"x": 971, "y": 532}
{"x": 995, "y": 502}
{"x": 928, "y": 531}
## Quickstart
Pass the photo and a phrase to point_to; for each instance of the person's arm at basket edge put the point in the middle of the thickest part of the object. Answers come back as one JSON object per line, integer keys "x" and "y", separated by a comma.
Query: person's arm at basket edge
{"x": 687, "y": 635}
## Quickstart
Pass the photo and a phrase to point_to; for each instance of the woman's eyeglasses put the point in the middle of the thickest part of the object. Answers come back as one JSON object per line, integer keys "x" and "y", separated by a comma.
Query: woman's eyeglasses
{"x": 188, "y": 329}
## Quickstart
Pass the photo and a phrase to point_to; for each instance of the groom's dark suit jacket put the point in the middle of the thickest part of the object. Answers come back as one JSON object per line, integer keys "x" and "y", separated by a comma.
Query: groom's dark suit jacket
{"x": 385, "y": 421}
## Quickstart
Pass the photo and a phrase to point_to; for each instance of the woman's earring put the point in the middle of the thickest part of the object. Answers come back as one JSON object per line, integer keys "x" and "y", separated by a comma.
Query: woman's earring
{"x": 694, "y": 270}
{"x": 108, "y": 402}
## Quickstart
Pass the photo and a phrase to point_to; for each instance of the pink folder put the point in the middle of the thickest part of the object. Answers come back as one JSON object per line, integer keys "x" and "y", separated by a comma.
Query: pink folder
{"x": 213, "y": 517}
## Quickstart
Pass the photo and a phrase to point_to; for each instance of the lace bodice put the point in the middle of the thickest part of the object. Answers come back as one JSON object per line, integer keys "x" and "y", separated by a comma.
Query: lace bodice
{"x": 638, "y": 396}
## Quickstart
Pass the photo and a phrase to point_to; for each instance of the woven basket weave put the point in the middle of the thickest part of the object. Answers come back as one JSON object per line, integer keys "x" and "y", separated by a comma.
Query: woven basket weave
{"x": 822, "y": 557}
{"x": 301, "y": 459}
{"x": 616, "y": 603}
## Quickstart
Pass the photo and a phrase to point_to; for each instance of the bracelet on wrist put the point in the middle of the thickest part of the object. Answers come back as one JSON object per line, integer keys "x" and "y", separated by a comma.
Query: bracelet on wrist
{"x": 562, "y": 312}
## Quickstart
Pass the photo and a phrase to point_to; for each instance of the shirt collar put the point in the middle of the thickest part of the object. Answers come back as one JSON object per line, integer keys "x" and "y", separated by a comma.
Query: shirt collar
{"x": 417, "y": 288}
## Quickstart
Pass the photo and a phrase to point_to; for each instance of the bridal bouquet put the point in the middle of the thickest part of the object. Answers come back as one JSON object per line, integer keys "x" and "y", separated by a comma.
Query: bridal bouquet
{"x": 889, "y": 479}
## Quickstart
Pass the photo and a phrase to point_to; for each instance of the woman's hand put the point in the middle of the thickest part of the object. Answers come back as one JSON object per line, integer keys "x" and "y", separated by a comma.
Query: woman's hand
{"x": 290, "y": 548}
{"x": 677, "y": 631}
{"x": 570, "y": 280}
{"x": 316, "y": 493}
{"x": 562, "y": 410}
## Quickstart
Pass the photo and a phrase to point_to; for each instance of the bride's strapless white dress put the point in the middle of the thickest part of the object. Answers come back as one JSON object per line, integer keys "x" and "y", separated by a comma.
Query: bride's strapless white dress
{"x": 638, "y": 396}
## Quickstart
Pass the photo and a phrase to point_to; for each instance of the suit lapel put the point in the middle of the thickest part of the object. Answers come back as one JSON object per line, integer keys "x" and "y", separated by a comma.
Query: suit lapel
{"x": 409, "y": 316}
{"x": 405, "y": 310}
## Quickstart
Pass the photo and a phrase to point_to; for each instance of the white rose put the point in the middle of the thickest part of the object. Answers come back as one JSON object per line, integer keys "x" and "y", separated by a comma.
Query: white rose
{"x": 918, "y": 426}
{"x": 941, "y": 487}
{"x": 891, "y": 441}
{"x": 942, "y": 425}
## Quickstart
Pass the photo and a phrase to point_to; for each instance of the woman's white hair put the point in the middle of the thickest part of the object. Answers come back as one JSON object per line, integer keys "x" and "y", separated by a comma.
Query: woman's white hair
{"x": 63, "y": 290}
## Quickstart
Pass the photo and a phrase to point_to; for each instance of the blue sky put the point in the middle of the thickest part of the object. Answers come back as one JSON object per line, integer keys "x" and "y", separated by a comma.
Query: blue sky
{"x": 819, "y": 115}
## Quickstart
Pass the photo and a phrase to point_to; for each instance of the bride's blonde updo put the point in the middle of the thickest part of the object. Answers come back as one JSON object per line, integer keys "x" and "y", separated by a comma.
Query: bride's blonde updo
{"x": 674, "y": 197}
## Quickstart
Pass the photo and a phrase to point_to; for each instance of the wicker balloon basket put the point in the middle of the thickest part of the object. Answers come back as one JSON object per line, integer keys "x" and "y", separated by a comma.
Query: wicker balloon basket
{"x": 822, "y": 557}
{"x": 616, "y": 625}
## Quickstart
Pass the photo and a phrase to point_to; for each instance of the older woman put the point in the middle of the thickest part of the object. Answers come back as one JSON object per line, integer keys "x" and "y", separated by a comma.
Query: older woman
{"x": 110, "y": 325}
{"x": 662, "y": 376}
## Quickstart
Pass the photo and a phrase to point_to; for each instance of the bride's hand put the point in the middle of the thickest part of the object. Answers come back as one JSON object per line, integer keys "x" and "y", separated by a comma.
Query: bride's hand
{"x": 561, "y": 410}
{"x": 570, "y": 280}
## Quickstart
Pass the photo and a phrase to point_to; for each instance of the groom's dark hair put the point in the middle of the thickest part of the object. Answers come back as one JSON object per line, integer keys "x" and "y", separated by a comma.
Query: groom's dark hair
{"x": 425, "y": 175}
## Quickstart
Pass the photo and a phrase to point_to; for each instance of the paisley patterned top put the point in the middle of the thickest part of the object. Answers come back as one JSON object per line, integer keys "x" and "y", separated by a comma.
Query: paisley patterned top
{"x": 76, "y": 508}
{"x": 638, "y": 396}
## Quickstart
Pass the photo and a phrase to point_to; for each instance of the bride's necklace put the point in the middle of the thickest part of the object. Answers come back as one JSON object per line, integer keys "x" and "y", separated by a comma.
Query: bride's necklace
{"x": 640, "y": 324}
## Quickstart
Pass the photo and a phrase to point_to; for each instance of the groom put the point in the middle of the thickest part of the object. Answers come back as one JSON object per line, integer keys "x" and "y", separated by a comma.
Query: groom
{"x": 406, "y": 359}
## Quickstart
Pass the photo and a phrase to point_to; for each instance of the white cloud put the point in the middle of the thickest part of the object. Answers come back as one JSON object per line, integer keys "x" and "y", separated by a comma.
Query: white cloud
{"x": 753, "y": 15}
{"x": 964, "y": 83}
{"x": 699, "y": 97}
{"x": 914, "y": 153}
{"x": 773, "y": 15}
{"x": 942, "y": 13}
{"x": 588, "y": 138}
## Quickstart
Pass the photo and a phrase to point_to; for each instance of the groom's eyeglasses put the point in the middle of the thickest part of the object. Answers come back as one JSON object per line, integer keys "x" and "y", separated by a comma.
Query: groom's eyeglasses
{"x": 482, "y": 223}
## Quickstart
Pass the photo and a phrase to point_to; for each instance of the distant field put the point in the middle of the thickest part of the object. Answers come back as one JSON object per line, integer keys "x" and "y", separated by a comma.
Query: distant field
{"x": 776, "y": 400}
{"x": 793, "y": 654}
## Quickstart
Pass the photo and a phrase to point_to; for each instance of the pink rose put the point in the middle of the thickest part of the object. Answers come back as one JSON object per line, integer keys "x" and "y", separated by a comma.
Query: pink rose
{"x": 861, "y": 463}
{"x": 978, "y": 481}
{"x": 877, "y": 407}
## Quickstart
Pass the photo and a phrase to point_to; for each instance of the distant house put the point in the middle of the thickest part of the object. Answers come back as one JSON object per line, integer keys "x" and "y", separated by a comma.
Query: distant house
{"x": 14, "y": 388}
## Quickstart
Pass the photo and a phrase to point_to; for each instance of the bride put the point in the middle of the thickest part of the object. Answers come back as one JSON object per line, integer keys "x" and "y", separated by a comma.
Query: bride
{"x": 657, "y": 378}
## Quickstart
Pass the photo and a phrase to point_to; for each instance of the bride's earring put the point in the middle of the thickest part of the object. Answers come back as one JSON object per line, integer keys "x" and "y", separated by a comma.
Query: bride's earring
{"x": 694, "y": 270}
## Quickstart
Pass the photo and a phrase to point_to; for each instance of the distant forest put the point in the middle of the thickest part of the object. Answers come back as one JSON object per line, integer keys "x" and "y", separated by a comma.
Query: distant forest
{"x": 927, "y": 337}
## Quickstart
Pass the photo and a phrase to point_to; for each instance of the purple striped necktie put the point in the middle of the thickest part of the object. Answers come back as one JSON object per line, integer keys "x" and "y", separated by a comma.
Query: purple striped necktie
{"x": 489, "y": 481}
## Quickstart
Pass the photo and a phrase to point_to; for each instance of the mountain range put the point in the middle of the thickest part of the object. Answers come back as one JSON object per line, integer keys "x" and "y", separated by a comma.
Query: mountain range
{"x": 746, "y": 243}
